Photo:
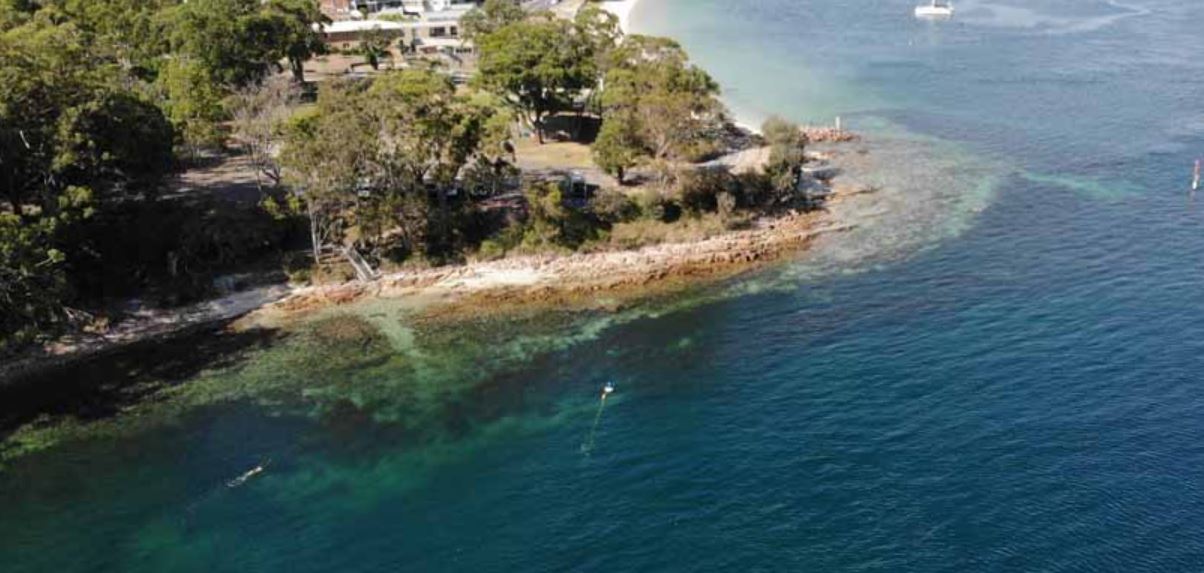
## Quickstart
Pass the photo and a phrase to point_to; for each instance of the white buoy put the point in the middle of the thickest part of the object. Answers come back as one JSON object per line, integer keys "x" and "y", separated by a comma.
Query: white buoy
{"x": 588, "y": 446}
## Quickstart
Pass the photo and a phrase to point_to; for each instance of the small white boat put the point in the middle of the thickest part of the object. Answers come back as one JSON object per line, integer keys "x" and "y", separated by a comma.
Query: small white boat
{"x": 935, "y": 9}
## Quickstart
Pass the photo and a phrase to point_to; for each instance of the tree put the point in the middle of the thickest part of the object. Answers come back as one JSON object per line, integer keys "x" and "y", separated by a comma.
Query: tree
{"x": 489, "y": 18}
{"x": 326, "y": 158}
{"x": 298, "y": 24}
{"x": 32, "y": 283}
{"x": 13, "y": 13}
{"x": 494, "y": 165}
{"x": 667, "y": 107}
{"x": 674, "y": 102}
{"x": 374, "y": 45}
{"x": 550, "y": 223}
{"x": 74, "y": 138}
{"x": 259, "y": 113}
{"x": 618, "y": 146}
{"x": 241, "y": 41}
{"x": 365, "y": 159}
{"x": 428, "y": 135}
{"x": 130, "y": 32}
{"x": 787, "y": 153}
{"x": 215, "y": 34}
{"x": 600, "y": 29}
{"x": 545, "y": 214}
{"x": 67, "y": 121}
{"x": 118, "y": 145}
{"x": 193, "y": 102}
{"x": 537, "y": 65}
{"x": 41, "y": 81}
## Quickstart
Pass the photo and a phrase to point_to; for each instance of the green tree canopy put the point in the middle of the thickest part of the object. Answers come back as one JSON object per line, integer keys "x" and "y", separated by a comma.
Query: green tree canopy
{"x": 32, "y": 283}
{"x": 600, "y": 29}
{"x": 374, "y": 45}
{"x": 193, "y": 102}
{"x": 490, "y": 17}
{"x": 367, "y": 156}
{"x": 787, "y": 152}
{"x": 618, "y": 147}
{"x": 130, "y": 32}
{"x": 538, "y": 65}
{"x": 668, "y": 109}
{"x": 74, "y": 137}
{"x": 67, "y": 120}
{"x": 297, "y": 24}
{"x": 13, "y": 13}
{"x": 240, "y": 41}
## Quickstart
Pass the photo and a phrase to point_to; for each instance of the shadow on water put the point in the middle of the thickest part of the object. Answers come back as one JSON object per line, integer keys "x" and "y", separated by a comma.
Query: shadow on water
{"x": 101, "y": 387}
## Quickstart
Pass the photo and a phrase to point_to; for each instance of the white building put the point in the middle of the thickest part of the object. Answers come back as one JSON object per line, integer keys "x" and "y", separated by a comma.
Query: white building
{"x": 413, "y": 7}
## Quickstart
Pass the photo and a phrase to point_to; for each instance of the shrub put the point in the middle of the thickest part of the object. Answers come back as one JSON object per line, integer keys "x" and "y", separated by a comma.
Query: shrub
{"x": 726, "y": 206}
{"x": 491, "y": 250}
{"x": 644, "y": 232}
{"x": 503, "y": 242}
{"x": 654, "y": 205}
{"x": 298, "y": 267}
{"x": 786, "y": 156}
{"x": 698, "y": 190}
{"x": 550, "y": 224}
{"x": 754, "y": 190}
{"x": 612, "y": 206}
{"x": 175, "y": 247}
{"x": 617, "y": 148}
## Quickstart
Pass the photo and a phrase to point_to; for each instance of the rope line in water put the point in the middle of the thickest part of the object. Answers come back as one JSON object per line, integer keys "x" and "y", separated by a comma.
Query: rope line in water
{"x": 588, "y": 445}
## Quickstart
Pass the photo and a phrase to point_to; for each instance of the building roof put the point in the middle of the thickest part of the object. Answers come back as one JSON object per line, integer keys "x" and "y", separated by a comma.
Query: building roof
{"x": 453, "y": 14}
{"x": 352, "y": 26}
{"x": 442, "y": 42}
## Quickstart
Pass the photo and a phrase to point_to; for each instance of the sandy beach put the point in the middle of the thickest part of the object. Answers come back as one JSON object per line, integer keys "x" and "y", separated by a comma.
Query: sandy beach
{"x": 621, "y": 9}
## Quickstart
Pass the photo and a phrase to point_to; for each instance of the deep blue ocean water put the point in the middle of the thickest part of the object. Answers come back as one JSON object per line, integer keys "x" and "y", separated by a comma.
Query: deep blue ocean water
{"x": 989, "y": 377}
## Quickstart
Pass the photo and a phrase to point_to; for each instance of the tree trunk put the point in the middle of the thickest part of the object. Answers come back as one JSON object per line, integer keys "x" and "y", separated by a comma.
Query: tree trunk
{"x": 577, "y": 124}
{"x": 538, "y": 124}
{"x": 443, "y": 218}
{"x": 298, "y": 70}
{"x": 256, "y": 164}
{"x": 314, "y": 239}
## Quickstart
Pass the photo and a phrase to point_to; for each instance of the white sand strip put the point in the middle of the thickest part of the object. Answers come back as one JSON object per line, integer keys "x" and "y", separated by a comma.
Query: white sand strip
{"x": 622, "y": 10}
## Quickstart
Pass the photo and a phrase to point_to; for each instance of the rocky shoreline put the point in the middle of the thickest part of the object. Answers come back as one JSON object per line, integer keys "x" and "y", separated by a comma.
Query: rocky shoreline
{"x": 583, "y": 280}
{"x": 577, "y": 281}
{"x": 593, "y": 280}
{"x": 574, "y": 281}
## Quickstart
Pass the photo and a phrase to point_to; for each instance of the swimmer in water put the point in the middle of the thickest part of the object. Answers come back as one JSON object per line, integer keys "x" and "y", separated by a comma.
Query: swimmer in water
{"x": 248, "y": 475}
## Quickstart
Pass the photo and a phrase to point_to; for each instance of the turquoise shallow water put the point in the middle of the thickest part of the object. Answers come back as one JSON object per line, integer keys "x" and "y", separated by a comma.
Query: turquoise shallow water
{"x": 999, "y": 370}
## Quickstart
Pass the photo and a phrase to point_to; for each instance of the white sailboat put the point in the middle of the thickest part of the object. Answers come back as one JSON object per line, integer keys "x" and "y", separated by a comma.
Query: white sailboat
{"x": 935, "y": 9}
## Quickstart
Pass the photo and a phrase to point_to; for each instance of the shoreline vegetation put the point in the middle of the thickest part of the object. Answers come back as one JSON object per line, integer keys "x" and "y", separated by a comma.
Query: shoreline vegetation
{"x": 663, "y": 206}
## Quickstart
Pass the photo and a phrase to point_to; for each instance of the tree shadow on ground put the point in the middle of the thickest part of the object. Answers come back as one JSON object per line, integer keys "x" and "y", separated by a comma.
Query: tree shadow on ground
{"x": 572, "y": 127}
{"x": 100, "y": 387}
